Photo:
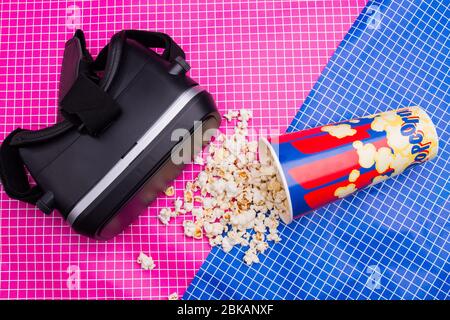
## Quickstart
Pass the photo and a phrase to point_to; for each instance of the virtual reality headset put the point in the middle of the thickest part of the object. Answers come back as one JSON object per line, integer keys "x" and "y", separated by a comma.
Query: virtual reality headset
{"x": 109, "y": 155}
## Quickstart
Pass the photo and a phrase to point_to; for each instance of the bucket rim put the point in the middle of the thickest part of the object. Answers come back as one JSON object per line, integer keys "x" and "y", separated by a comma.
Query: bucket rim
{"x": 265, "y": 148}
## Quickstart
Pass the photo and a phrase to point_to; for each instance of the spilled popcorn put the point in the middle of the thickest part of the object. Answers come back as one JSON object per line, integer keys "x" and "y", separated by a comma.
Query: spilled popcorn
{"x": 146, "y": 262}
{"x": 173, "y": 296}
{"x": 236, "y": 199}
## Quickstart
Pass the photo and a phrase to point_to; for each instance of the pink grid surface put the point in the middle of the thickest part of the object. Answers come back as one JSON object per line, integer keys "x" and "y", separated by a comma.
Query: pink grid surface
{"x": 261, "y": 55}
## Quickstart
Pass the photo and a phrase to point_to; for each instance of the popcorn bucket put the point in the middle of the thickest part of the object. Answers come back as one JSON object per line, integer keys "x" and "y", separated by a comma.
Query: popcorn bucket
{"x": 320, "y": 165}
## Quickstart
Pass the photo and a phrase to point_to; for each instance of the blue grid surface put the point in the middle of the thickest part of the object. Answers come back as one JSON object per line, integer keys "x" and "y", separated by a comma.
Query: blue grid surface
{"x": 390, "y": 241}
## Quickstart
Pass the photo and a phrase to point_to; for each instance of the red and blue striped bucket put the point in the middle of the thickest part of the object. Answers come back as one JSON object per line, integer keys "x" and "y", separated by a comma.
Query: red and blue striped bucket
{"x": 320, "y": 165}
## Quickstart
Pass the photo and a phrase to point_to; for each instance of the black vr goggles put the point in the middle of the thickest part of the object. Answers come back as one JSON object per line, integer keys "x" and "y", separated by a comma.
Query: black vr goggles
{"x": 109, "y": 156}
